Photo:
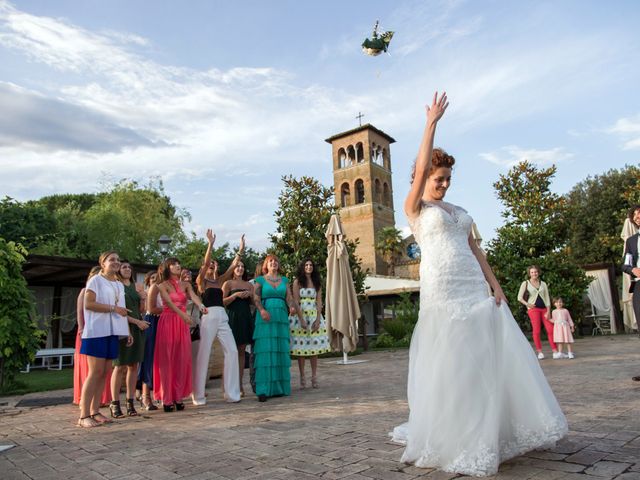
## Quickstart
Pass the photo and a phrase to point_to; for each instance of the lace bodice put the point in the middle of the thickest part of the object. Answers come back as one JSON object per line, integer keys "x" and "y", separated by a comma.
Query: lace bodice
{"x": 449, "y": 271}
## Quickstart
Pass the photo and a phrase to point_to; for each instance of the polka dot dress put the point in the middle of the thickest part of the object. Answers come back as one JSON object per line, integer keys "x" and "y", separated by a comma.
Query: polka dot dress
{"x": 304, "y": 342}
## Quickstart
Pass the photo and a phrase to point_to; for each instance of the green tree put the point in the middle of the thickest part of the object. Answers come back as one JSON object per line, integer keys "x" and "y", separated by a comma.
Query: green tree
{"x": 130, "y": 218}
{"x": 25, "y": 223}
{"x": 305, "y": 207}
{"x": 535, "y": 232}
{"x": 389, "y": 245}
{"x": 19, "y": 333}
{"x": 596, "y": 210}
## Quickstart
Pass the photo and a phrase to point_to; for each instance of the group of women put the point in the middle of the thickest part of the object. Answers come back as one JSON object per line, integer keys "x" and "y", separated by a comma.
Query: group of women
{"x": 146, "y": 332}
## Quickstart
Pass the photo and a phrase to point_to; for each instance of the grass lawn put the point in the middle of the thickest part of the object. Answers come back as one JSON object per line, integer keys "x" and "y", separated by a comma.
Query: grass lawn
{"x": 41, "y": 381}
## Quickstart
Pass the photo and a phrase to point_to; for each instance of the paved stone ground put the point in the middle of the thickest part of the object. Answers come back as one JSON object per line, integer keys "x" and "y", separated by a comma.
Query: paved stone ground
{"x": 336, "y": 432}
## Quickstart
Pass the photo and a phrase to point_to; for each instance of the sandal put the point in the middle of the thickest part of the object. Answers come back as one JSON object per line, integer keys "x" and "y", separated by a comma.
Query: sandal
{"x": 88, "y": 422}
{"x": 314, "y": 382}
{"x": 116, "y": 411}
{"x": 100, "y": 418}
{"x": 131, "y": 410}
{"x": 147, "y": 403}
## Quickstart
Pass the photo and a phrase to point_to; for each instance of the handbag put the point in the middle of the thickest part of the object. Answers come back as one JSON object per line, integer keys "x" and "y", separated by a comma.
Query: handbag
{"x": 195, "y": 333}
{"x": 195, "y": 330}
{"x": 525, "y": 295}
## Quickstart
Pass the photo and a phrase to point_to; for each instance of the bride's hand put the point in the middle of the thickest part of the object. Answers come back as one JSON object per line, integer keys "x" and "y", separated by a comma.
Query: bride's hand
{"x": 437, "y": 108}
{"x": 500, "y": 297}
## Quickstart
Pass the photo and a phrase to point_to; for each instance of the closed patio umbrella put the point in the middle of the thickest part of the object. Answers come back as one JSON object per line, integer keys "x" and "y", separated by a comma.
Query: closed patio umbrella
{"x": 341, "y": 302}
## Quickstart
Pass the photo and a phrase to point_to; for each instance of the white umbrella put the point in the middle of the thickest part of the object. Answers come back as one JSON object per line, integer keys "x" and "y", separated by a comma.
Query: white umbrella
{"x": 341, "y": 302}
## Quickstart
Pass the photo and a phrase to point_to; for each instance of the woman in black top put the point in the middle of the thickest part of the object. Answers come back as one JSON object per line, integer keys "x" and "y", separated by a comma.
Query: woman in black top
{"x": 215, "y": 324}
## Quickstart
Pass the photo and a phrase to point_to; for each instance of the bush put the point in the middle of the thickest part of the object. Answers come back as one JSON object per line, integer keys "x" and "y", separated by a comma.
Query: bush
{"x": 19, "y": 334}
{"x": 397, "y": 331}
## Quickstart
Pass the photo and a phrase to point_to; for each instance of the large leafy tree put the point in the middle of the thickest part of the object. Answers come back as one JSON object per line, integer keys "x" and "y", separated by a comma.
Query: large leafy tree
{"x": 305, "y": 207}
{"x": 389, "y": 245}
{"x": 29, "y": 224}
{"x": 130, "y": 218}
{"x": 19, "y": 334}
{"x": 535, "y": 232}
{"x": 596, "y": 210}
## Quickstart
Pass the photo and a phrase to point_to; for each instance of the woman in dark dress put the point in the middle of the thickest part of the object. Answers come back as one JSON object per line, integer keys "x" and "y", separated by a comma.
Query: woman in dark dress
{"x": 129, "y": 357}
{"x": 237, "y": 295}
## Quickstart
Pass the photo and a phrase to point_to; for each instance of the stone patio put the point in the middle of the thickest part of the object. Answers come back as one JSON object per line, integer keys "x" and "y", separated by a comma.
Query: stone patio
{"x": 338, "y": 431}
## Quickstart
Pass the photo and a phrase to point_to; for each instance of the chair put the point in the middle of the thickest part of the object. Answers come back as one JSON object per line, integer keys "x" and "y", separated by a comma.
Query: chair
{"x": 601, "y": 322}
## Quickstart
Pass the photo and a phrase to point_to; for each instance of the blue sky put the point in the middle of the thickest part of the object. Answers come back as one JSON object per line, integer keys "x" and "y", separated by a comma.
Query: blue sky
{"x": 220, "y": 99}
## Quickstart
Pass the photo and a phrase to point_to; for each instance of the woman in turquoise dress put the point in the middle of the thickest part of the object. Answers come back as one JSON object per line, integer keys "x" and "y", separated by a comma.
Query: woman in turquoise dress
{"x": 271, "y": 335}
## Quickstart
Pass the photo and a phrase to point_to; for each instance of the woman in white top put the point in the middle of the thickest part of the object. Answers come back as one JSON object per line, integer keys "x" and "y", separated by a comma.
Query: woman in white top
{"x": 105, "y": 322}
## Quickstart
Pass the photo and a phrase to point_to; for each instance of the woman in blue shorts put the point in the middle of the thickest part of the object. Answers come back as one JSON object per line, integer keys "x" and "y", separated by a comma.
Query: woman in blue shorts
{"x": 105, "y": 317}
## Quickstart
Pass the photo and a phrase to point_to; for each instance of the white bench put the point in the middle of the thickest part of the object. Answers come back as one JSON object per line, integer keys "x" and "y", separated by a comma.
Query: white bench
{"x": 47, "y": 354}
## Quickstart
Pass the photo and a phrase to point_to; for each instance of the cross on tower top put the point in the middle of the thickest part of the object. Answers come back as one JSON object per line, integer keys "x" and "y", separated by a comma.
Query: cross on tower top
{"x": 359, "y": 117}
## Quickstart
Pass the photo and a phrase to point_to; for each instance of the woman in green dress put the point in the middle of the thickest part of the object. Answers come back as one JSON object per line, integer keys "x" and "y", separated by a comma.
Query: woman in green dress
{"x": 237, "y": 296}
{"x": 271, "y": 335}
{"x": 130, "y": 356}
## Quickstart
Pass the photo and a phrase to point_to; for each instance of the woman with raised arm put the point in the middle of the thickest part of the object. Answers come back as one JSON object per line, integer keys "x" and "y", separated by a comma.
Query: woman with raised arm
{"x": 216, "y": 324}
{"x": 274, "y": 304}
{"x": 477, "y": 395}
{"x": 105, "y": 323}
{"x": 172, "y": 356}
{"x": 237, "y": 295}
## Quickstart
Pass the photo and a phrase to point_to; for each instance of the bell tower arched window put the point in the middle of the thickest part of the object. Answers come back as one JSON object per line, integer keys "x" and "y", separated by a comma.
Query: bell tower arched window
{"x": 345, "y": 195}
{"x": 359, "y": 188}
{"x": 386, "y": 194}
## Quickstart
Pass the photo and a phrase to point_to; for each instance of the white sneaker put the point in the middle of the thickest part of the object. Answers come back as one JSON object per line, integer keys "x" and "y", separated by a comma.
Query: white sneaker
{"x": 557, "y": 355}
{"x": 571, "y": 355}
{"x": 540, "y": 355}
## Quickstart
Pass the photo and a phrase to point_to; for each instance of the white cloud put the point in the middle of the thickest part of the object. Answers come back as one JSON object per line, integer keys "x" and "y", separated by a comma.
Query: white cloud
{"x": 511, "y": 155}
{"x": 628, "y": 129}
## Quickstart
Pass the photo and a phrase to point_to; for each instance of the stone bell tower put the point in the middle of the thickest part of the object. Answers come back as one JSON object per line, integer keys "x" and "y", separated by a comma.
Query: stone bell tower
{"x": 362, "y": 186}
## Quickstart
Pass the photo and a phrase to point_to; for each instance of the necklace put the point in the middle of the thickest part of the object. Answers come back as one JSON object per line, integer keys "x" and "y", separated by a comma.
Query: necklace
{"x": 116, "y": 292}
{"x": 272, "y": 279}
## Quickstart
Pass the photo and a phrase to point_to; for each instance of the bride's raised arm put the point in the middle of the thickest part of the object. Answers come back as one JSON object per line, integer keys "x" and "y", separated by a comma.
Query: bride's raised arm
{"x": 423, "y": 162}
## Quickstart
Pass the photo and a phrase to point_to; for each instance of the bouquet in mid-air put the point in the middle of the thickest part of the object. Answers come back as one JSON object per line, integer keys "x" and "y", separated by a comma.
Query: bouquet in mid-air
{"x": 379, "y": 41}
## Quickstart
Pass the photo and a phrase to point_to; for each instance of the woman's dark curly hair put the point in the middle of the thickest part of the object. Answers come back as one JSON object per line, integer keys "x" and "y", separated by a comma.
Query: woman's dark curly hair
{"x": 439, "y": 158}
{"x": 302, "y": 276}
{"x": 630, "y": 213}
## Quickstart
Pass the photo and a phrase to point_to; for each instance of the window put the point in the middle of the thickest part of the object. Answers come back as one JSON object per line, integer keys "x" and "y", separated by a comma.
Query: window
{"x": 345, "y": 195}
{"x": 359, "y": 188}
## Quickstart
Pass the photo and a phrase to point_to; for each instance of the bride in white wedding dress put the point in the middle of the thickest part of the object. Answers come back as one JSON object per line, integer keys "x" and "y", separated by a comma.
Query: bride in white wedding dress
{"x": 477, "y": 395}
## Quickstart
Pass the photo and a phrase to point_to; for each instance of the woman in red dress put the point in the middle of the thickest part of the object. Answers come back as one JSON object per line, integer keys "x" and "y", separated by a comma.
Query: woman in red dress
{"x": 172, "y": 359}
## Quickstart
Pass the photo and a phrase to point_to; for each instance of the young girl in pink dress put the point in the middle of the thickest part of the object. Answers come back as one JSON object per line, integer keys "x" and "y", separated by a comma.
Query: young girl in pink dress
{"x": 562, "y": 327}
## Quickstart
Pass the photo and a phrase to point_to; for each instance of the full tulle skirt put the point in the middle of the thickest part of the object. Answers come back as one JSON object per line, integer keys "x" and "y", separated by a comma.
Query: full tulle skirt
{"x": 477, "y": 395}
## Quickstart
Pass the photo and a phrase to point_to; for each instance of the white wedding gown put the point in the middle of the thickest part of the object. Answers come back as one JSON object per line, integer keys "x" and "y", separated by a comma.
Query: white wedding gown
{"x": 477, "y": 395}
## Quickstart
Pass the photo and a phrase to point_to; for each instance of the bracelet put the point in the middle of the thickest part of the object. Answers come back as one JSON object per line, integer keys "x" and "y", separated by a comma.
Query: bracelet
{"x": 112, "y": 308}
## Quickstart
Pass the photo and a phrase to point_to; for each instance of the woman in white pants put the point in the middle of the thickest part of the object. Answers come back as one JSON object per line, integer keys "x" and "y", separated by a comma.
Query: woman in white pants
{"x": 215, "y": 324}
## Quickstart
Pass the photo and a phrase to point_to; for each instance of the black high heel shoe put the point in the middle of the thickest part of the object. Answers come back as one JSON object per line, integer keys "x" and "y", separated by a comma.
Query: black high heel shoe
{"x": 262, "y": 398}
{"x": 179, "y": 406}
{"x": 131, "y": 410}
{"x": 115, "y": 410}
{"x": 167, "y": 408}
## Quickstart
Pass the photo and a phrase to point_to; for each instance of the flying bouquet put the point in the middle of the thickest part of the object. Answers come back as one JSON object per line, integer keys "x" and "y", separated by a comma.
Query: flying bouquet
{"x": 378, "y": 43}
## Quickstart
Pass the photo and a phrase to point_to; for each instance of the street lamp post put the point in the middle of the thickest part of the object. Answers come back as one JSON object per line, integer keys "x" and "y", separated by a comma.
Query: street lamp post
{"x": 163, "y": 243}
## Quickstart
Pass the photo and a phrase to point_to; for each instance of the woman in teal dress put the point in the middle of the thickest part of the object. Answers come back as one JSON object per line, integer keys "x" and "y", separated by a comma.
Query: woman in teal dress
{"x": 271, "y": 335}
